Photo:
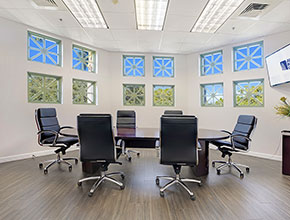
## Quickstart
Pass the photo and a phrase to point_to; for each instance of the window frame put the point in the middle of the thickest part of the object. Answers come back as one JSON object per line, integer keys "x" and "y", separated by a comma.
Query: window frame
{"x": 60, "y": 93}
{"x": 94, "y": 58}
{"x": 202, "y": 96}
{"x": 260, "y": 43}
{"x": 172, "y": 86}
{"x": 94, "y": 83}
{"x": 202, "y": 65}
{"x": 248, "y": 81}
{"x": 173, "y": 67}
{"x": 123, "y": 60}
{"x": 58, "y": 41}
{"x": 131, "y": 84}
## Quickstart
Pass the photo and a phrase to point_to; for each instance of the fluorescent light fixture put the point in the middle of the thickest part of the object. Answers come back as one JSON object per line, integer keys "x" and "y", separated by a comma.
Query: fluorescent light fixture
{"x": 87, "y": 12}
{"x": 151, "y": 14}
{"x": 215, "y": 14}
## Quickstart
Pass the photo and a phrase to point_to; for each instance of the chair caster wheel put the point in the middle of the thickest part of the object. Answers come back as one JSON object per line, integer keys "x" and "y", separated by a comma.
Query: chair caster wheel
{"x": 161, "y": 194}
{"x": 218, "y": 172}
{"x": 122, "y": 187}
{"x": 76, "y": 161}
{"x": 213, "y": 164}
{"x": 241, "y": 175}
{"x": 90, "y": 194}
{"x": 70, "y": 168}
{"x": 192, "y": 197}
{"x": 122, "y": 176}
{"x": 45, "y": 172}
{"x": 247, "y": 169}
{"x": 138, "y": 154}
{"x": 157, "y": 181}
{"x": 199, "y": 184}
{"x": 40, "y": 166}
{"x": 129, "y": 159}
{"x": 79, "y": 183}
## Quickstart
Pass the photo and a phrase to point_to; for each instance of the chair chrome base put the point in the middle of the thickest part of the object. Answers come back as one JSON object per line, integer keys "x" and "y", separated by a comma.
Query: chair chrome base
{"x": 58, "y": 160}
{"x": 230, "y": 164}
{"x": 102, "y": 178}
{"x": 126, "y": 152}
{"x": 177, "y": 180}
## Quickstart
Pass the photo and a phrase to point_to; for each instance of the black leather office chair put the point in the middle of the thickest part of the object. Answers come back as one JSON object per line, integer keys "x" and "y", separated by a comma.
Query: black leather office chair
{"x": 173, "y": 112}
{"x": 126, "y": 119}
{"x": 97, "y": 144}
{"x": 178, "y": 139}
{"x": 240, "y": 140}
{"x": 49, "y": 135}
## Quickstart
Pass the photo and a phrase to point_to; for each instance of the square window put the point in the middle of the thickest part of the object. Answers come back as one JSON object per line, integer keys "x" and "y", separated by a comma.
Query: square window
{"x": 83, "y": 59}
{"x": 44, "y": 49}
{"x": 163, "y": 95}
{"x": 84, "y": 92}
{"x": 43, "y": 88}
{"x": 212, "y": 94}
{"x": 134, "y": 94}
{"x": 133, "y": 66}
{"x": 249, "y": 93}
{"x": 211, "y": 63}
{"x": 247, "y": 57}
{"x": 163, "y": 66}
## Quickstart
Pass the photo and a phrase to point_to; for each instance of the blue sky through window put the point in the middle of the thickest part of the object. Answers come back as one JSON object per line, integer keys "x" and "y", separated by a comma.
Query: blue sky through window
{"x": 163, "y": 66}
{"x": 133, "y": 65}
{"x": 211, "y": 63}
{"x": 247, "y": 57}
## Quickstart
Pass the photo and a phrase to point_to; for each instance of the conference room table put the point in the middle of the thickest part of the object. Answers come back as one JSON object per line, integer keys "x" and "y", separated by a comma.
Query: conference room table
{"x": 204, "y": 138}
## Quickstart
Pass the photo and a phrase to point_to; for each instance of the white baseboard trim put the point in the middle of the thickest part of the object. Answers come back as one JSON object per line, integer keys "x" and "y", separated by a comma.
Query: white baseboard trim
{"x": 73, "y": 148}
{"x": 257, "y": 154}
{"x": 32, "y": 155}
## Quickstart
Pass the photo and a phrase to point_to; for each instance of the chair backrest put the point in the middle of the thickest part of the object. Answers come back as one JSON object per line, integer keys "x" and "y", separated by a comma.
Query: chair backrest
{"x": 96, "y": 138}
{"x": 245, "y": 126}
{"x": 46, "y": 120}
{"x": 173, "y": 112}
{"x": 126, "y": 119}
{"x": 178, "y": 140}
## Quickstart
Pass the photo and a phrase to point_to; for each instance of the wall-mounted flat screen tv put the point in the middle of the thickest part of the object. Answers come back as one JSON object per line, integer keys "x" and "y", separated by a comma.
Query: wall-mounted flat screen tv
{"x": 278, "y": 66}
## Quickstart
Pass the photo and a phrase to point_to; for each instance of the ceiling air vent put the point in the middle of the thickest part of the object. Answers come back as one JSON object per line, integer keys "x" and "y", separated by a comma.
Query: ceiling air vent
{"x": 44, "y": 4}
{"x": 253, "y": 10}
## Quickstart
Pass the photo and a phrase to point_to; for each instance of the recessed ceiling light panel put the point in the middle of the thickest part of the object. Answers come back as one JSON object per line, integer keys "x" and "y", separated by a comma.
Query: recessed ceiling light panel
{"x": 87, "y": 12}
{"x": 215, "y": 14}
{"x": 151, "y": 14}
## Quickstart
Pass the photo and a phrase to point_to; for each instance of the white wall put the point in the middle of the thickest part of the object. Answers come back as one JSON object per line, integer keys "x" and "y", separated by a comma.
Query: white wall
{"x": 18, "y": 128}
{"x": 266, "y": 139}
{"x": 148, "y": 115}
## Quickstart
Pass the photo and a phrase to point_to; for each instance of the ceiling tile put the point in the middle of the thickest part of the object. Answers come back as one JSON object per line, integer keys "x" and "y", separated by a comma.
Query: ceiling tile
{"x": 197, "y": 38}
{"x": 236, "y": 26}
{"x": 123, "y": 35}
{"x": 179, "y": 23}
{"x": 120, "y": 20}
{"x": 186, "y": 7}
{"x": 120, "y": 6}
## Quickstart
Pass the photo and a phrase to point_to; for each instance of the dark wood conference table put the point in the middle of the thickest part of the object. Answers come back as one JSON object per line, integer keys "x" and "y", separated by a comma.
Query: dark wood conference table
{"x": 204, "y": 137}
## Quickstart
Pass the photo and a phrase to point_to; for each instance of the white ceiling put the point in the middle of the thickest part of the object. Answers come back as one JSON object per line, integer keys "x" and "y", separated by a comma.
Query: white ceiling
{"x": 175, "y": 38}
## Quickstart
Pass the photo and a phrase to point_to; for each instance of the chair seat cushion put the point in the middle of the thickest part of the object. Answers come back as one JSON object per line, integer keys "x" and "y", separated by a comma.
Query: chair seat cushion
{"x": 68, "y": 141}
{"x": 220, "y": 143}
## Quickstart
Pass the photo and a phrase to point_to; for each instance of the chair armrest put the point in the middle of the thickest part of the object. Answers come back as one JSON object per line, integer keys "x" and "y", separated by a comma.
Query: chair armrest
{"x": 243, "y": 136}
{"x": 226, "y": 132}
{"x": 52, "y": 132}
{"x": 67, "y": 135}
{"x": 238, "y": 135}
{"x": 66, "y": 127}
